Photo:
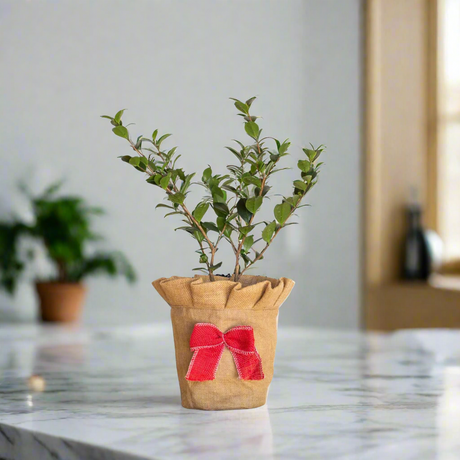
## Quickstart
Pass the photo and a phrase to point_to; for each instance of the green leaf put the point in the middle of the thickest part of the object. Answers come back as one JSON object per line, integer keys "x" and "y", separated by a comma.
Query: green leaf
{"x": 250, "y": 101}
{"x": 206, "y": 174}
{"x": 264, "y": 191}
{"x": 186, "y": 183}
{"x": 237, "y": 154}
{"x": 135, "y": 161}
{"x": 221, "y": 221}
{"x": 230, "y": 189}
{"x": 248, "y": 242}
{"x": 278, "y": 170}
{"x": 249, "y": 118}
{"x": 107, "y": 116}
{"x": 253, "y": 204}
{"x": 245, "y": 258}
{"x": 257, "y": 255}
{"x": 300, "y": 185}
{"x": 154, "y": 135}
{"x": 177, "y": 198}
{"x": 252, "y": 180}
{"x": 242, "y": 210}
{"x": 161, "y": 205}
{"x": 215, "y": 267}
{"x": 200, "y": 211}
{"x": 245, "y": 230}
{"x": 187, "y": 228}
{"x": 164, "y": 182}
{"x": 311, "y": 154}
{"x": 221, "y": 209}
{"x": 304, "y": 165}
{"x": 268, "y": 231}
{"x": 211, "y": 226}
{"x": 142, "y": 163}
{"x": 242, "y": 107}
{"x": 181, "y": 174}
{"x": 162, "y": 138}
{"x": 218, "y": 195}
{"x": 308, "y": 179}
{"x": 252, "y": 129}
{"x": 198, "y": 236}
{"x": 138, "y": 144}
{"x": 283, "y": 148}
{"x": 172, "y": 151}
{"x": 118, "y": 116}
{"x": 125, "y": 158}
{"x": 294, "y": 200}
{"x": 203, "y": 258}
{"x": 200, "y": 269}
{"x": 121, "y": 131}
{"x": 282, "y": 212}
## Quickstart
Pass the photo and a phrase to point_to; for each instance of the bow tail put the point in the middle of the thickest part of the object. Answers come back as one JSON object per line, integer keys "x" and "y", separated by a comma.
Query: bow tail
{"x": 203, "y": 365}
{"x": 248, "y": 365}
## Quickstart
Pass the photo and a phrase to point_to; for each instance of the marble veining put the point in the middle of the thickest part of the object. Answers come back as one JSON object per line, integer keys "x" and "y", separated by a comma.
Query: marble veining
{"x": 113, "y": 394}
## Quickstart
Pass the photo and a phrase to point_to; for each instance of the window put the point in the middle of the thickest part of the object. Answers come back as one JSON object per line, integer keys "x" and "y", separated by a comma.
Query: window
{"x": 448, "y": 149}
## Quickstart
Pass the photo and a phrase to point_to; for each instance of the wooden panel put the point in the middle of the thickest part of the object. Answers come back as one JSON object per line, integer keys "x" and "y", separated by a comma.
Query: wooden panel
{"x": 406, "y": 306}
{"x": 396, "y": 140}
{"x": 432, "y": 115}
{"x": 396, "y": 145}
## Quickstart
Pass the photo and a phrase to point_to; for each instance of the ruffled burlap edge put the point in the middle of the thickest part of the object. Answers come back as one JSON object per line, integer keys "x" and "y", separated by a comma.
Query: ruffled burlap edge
{"x": 249, "y": 293}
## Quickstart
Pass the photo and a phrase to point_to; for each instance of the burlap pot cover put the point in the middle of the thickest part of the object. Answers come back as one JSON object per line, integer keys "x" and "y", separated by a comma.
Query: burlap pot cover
{"x": 253, "y": 301}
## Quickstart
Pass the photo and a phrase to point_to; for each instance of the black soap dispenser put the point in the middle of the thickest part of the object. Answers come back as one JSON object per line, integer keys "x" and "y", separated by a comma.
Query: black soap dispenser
{"x": 417, "y": 258}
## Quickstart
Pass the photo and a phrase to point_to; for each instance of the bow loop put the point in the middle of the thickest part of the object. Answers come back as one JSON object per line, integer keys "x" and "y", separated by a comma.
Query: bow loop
{"x": 208, "y": 343}
{"x": 205, "y": 335}
{"x": 240, "y": 339}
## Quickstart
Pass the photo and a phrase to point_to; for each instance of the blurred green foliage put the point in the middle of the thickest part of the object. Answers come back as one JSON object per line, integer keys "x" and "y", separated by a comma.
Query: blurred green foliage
{"x": 63, "y": 226}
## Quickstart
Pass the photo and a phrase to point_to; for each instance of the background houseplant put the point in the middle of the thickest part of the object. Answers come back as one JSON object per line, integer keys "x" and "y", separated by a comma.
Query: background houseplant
{"x": 227, "y": 212}
{"x": 63, "y": 226}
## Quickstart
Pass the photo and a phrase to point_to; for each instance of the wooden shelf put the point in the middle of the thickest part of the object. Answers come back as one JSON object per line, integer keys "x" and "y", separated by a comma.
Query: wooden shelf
{"x": 451, "y": 283}
{"x": 406, "y": 305}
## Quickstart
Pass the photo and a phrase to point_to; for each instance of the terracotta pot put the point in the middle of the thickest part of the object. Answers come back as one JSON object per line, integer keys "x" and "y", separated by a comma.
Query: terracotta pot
{"x": 61, "y": 302}
{"x": 252, "y": 303}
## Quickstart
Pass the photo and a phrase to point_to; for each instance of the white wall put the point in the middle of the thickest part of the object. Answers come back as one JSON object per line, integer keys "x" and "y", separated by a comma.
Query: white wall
{"x": 174, "y": 64}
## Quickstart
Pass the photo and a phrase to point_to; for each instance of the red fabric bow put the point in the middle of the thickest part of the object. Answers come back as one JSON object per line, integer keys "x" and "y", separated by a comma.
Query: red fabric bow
{"x": 208, "y": 343}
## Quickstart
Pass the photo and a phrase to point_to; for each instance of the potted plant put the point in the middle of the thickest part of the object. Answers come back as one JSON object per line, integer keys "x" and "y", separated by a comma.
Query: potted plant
{"x": 63, "y": 226}
{"x": 224, "y": 326}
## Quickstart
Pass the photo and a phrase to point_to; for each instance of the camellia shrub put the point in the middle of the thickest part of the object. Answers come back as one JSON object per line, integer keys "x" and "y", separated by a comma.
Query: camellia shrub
{"x": 233, "y": 199}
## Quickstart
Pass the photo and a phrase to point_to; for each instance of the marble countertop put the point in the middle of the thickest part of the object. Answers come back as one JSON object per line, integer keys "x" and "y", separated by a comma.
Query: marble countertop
{"x": 113, "y": 394}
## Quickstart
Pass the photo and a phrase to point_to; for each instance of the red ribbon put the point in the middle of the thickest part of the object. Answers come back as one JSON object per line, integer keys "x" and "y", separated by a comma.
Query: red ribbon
{"x": 208, "y": 343}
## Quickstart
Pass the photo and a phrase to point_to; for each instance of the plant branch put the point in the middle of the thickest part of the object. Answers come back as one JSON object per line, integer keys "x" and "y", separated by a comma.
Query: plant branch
{"x": 188, "y": 214}
{"x": 273, "y": 237}
{"x": 240, "y": 246}
{"x": 207, "y": 263}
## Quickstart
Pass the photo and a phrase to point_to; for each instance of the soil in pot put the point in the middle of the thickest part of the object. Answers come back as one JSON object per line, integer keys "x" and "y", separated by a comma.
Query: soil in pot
{"x": 60, "y": 302}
